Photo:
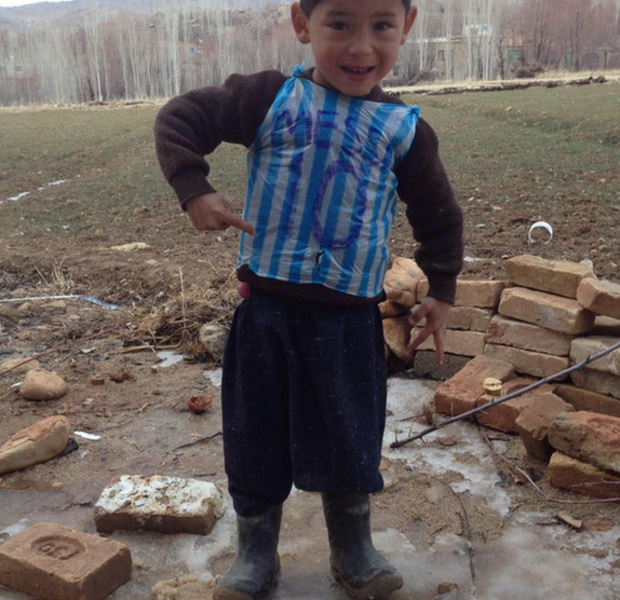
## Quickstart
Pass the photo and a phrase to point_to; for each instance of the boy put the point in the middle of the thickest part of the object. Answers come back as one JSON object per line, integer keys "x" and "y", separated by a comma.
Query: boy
{"x": 304, "y": 385}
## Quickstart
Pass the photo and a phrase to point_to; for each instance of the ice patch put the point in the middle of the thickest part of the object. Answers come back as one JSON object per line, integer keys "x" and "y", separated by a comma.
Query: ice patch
{"x": 18, "y": 527}
{"x": 169, "y": 358}
{"x": 58, "y": 182}
{"x": 215, "y": 376}
{"x": 16, "y": 198}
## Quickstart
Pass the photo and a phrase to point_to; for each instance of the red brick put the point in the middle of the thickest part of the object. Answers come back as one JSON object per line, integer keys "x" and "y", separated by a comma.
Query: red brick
{"x": 463, "y": 343}
{"x": 519, "y": 383}
{"x": 554, "y": 276}
{"x": 590, "y": 437}
{"x": 581, "y": 478}
{"x": 601, "y": 297}
{"x": 460, "y": 393}
{"x": 597, "y": 381}
{"x": 591, "y": 401}
{"x": 467, "y": 318}
{"x": 546, "y": 310}
{"x": 582, "y": 348}
{"x": 533, "y": 424}
{"x": 503, "y": 416}
{"x": 52, "y": 562}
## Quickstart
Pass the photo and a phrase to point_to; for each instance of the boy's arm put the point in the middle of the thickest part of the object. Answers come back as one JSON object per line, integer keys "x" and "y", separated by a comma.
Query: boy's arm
{"x": 194, "y": 124}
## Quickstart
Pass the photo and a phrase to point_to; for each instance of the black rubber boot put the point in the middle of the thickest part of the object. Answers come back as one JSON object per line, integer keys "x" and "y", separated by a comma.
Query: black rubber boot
{"x": 255, "y": 571}
{"x": 355, "y": 562}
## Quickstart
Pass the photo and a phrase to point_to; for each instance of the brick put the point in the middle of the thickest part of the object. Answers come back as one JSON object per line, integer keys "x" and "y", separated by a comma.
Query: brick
{"x": 597, "y": 381}
{"x": 467, "y": 318}
{"x": 425, "y": 365}
{"x": 532, "y": 424}
{"x": 591, "y": 401}
{"x": 392, "y": 309}
{"x": 519, "y": 383}
{"x": 35, "y": 444}
{"x": 582, "y": 348}
{"x": 478, "y": 294}
{"x": 397, "y": 335}
{"x": 587, "y": 436}
{"x": 606, "y": 326}
{"x": 503, "y": 416}
{"x": 581, "y": 478}
{"x": 460, "y": 394}
{"x": 526, "y": 336}
{"x": 528, "y": 363}
{"x": 463, "y": 343}
{"x": 554, "y": 276}
{"x": 52, "y": 562}
{"x": 551, "y": 312}
{"x": 162, "y": 504}
{"x": 601, "y": 297}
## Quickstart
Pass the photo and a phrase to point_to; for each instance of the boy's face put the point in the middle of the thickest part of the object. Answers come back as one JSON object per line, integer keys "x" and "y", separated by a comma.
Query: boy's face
{"x": 355, "y": 42}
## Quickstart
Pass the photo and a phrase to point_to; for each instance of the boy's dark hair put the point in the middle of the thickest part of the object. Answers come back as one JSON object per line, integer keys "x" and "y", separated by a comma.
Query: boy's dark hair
{"x": 309, "y": 5}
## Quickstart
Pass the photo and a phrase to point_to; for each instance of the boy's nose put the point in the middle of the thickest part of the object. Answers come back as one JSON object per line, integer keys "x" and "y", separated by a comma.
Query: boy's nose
{"x": 360, "y": 45}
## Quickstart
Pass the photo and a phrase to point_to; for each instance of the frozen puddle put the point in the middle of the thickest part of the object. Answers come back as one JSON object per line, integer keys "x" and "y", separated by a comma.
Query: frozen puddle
{"x": 169, "y": 358}
{"x": 41, "y": 189}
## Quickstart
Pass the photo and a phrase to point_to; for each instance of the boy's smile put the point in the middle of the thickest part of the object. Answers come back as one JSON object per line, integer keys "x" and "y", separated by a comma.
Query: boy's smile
{"x": 355, "y": 43}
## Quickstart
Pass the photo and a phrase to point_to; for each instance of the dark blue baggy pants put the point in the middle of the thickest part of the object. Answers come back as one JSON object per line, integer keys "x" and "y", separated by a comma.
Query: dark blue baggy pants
{"x": 303, "y": 400}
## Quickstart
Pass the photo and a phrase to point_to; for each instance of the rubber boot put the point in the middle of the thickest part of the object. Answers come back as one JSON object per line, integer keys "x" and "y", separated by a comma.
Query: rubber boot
{"x": 354, "y": 561}
{"x": 256, "y": 568}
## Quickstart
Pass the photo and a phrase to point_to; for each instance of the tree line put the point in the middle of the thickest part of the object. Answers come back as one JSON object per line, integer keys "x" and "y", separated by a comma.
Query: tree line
{"x": 103, "y": 53}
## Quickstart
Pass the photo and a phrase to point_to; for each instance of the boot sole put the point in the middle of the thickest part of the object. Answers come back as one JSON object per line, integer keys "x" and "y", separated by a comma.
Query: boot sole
{"x": 221, "y": 593}
{"x": 377, "y": 588}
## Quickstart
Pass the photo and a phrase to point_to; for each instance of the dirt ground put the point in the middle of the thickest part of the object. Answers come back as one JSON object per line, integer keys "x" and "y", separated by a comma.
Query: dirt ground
{"x": 447, "y": 506}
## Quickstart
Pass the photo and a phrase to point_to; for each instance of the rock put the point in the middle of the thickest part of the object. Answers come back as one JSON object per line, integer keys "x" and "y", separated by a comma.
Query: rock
{"x": 479, "y": 294}
{"x": 551, "y": 312}
{"x": 601, "y": 297}
{"x": 582, "y": 348}
{"x": 161, "y": 504}
{"x": 52, "y": 562}
{"x": 525, "y": 336}
{"x": 97, "y": 379}
{"x": 402, "y": 280}
{"x": 392, "y": 309}
{"x": 462, "y": 343}
{"x": 533, "y": 424}
{"x": 42, "y": 385}
{"x": 35, "y": 444}
{"x": 528, "y": 363}
{"x": 581, "y": 478}
{"x": 597, "y": 381}
{"x": 460, "y": 393}
{"x": 591, "y": 401}
{"x": 213, "y": 339}
{"x": 554, "y": 276}
{"x": 10, "y": 364}
{"x": 57, "y": 304}
{"x": 590, "y": 437}
{"x": 397, "y": 335}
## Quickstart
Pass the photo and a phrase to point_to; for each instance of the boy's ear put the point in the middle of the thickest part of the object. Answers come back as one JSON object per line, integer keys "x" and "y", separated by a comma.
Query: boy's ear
{"x": 409, "y": 21}
{"x": 300, "y": 23}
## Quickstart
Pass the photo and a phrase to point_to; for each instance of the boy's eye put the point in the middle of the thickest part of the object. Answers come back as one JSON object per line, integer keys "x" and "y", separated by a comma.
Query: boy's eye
{"x": 383, "y": 26}
{"x": 338, "y": 25}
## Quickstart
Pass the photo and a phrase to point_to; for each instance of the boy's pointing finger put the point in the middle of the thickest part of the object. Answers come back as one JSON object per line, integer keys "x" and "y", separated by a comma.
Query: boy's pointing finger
{"x": 236, "y": 221}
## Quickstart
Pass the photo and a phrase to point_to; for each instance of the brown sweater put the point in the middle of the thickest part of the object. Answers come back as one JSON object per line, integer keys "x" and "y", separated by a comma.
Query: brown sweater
{"x": 194, "y": 124}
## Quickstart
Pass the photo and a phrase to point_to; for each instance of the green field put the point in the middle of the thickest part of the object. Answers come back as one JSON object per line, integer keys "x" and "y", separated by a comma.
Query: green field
{"x": 514, "y": 158}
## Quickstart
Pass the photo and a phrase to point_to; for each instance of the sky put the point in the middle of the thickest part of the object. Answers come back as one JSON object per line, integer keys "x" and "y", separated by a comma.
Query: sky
{"x": 6, "y": 3}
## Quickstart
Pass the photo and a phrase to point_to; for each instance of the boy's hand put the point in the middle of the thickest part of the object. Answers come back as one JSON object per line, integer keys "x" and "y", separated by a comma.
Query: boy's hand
{"x": 211, "y": 212}
{"x": 436, "y": 313}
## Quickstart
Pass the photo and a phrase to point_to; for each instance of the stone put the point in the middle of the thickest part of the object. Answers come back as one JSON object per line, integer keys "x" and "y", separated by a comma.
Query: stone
{"x": 397, "y": 335}
{"x": 503, "y": 416}
{"x": 35, "y": 444}
{"x": 40, "y": 384}
{"x": 581, "y": 478}
{"x": 52, "y": 562}
{"x": 213, "y": 339}
{"x": 597, "y": 381}
{"x": 532, "y": 424}
{"x": 56, "y": 304}
{"x": 606, "y": 326}
{"x": 587, "y": 436}
{"x": 551, "y": 312}
{"x": 401, "y": 281}
{"x": 392, "y": 309}
{"x": 478, "y": 294}
{"x": 526, "y": 336}
{"x": 554, "y": 276}
{"x": 460, "y": 393}
{"x": 591, "y": 401}
{"x": 161, "y": 504}
{"x": 12, "y": 362}
{"x": 463, "y": 343}
{"x": 582, "y": 348}
{"x": 467, "y": 318}
{"x": 601, "y": 297}
{"x": 528, "y": 363}
{"x": 425, "y": 365}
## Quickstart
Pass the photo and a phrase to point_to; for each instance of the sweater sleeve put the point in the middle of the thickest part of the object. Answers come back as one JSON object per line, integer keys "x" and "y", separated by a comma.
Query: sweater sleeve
{"x": 433, "y": 212}
{"x": 194, "y": 124}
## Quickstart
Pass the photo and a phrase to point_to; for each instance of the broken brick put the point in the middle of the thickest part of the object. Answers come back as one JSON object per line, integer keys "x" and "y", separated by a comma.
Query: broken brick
{"x": 591, "y": 401}
{"x": 581, "y": 478}
{"x": 601, "y": 297}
